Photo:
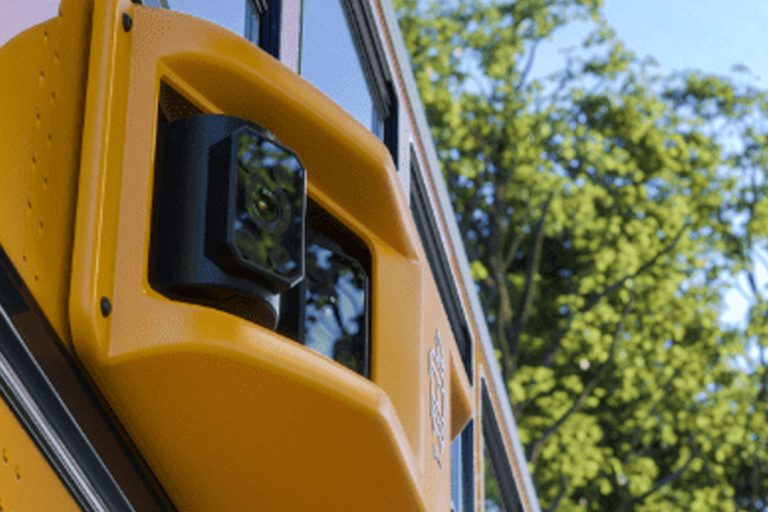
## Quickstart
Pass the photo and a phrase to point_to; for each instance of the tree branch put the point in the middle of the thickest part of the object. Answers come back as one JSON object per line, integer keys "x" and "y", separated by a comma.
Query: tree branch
{"x": 607, "y": 291}
{"x": 560, "y": 494}
{"x": 531, "y": 271}
{"x": 660, "y": 483}
{"x": 528, "y": 65}
{"x": 534, "y": 451}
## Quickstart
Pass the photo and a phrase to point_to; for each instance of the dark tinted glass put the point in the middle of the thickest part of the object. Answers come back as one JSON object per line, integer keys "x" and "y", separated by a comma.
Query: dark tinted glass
{"x": 493, "y": 499}
{"x": 499, "y": 485}
{"x": 336, "y": 323}
{"x": 269, "y": 205}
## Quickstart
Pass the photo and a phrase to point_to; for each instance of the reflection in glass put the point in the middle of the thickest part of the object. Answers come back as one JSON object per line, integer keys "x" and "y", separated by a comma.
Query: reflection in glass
{"x": 269, "y": 205}
{"x": 336, "y": 304}
{"x": 457, "y": 490}
{"x": 462, "y": 471}
{"x": 230, "y": 14}
{"x": 331, "y": 61}
{"x": 252, "y": 22}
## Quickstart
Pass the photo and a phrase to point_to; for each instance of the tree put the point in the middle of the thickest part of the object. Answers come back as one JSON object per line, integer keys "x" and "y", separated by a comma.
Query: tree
{"x": 606, "y": 208}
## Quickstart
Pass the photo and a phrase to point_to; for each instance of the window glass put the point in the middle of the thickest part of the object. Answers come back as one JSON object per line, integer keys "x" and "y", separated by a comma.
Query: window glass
{"x": 456, "y": 470}
{"x": 252, "y": 23}
{"x": 231, "y": 14}
{"x": 336, "y": 303}
{"x": 330, "y": 310}
{"x": 331, "y": 61}
{"x": 462, "y": 471}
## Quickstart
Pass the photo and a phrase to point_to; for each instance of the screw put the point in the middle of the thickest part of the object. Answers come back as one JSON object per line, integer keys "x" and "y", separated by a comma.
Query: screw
{"x": 106, "y": 307}
{"x": 127, "y": 22}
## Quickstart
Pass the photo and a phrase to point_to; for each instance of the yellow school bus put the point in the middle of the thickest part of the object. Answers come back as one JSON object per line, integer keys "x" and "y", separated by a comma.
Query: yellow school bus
{"x": 230, "y": 276}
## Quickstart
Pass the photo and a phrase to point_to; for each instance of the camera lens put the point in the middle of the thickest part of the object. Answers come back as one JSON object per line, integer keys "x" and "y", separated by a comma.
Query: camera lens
{"x": 264, "y": 206}
{"x": 269, "y": 207}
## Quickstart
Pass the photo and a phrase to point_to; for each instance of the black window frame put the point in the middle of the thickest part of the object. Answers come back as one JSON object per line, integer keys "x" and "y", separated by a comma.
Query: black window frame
{"x": 493, "y": 443}
{"x": 363, "y": 27}
{"x": 269, "y": 12}
{"x": 426, "y": 225}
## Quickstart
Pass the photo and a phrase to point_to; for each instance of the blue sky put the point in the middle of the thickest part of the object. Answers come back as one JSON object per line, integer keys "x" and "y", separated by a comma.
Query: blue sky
{"x": 710, "y": 35}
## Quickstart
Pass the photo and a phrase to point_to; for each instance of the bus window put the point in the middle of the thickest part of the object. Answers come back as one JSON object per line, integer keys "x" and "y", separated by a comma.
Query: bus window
{"x": 331, "y": 61}
{"x": 256, "y": 20}
{"x": 500, "y": 492}
{"x": 462, "y": 471}
{"x": 229, "y": 14}
{"x": 340, "y": 56}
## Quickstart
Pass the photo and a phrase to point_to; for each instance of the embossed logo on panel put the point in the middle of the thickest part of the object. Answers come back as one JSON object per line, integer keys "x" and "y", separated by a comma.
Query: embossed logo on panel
{"x": 437, "y": 397}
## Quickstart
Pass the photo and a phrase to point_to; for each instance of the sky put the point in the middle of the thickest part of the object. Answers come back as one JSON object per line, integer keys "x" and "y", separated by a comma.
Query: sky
{"x": 710, "y": 35}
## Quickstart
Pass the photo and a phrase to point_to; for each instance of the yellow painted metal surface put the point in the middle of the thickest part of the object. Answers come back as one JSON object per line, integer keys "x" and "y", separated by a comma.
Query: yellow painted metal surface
{"x": 41, "y": 107}
{"x": 229, "y": 415}
{"x": 27, "y": 482}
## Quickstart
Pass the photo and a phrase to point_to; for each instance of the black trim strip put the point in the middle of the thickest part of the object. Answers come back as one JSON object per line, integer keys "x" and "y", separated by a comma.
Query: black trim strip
{"x": 58, "y": 406}
{"x": 468, "y": 460}
{"x": 438, "y": 261}
{"x": 363, "y": 28}
{"x": 364, "y": 32}
{"x": 269, "y": 32}
{"x": 502, "y": 468}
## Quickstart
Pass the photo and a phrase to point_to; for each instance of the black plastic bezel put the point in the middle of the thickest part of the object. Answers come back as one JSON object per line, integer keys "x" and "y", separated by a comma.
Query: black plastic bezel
{"x": 279, "y": 282}
{"x": 190, "y": 259}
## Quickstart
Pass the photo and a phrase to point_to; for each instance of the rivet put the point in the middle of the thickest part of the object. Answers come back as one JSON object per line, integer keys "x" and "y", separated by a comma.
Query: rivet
{"x": 106, "y": 307}
{"x": 127, "y": 22}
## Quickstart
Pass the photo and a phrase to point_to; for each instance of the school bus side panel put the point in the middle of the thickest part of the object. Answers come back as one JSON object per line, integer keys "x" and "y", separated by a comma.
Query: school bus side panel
{"x": 41, "y": 112}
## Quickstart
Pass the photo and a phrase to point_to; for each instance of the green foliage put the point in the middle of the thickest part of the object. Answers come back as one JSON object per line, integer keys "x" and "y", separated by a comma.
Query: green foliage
{"x": 606, "y": 208}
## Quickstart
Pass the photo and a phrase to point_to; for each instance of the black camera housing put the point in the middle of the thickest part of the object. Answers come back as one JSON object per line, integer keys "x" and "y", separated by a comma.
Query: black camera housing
{"x": 228, "y": 217}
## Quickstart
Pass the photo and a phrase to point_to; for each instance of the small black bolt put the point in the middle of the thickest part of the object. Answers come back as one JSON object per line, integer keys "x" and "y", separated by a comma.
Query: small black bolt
{"x": 106, "y": 307}
{"x": 127, "y": 22}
